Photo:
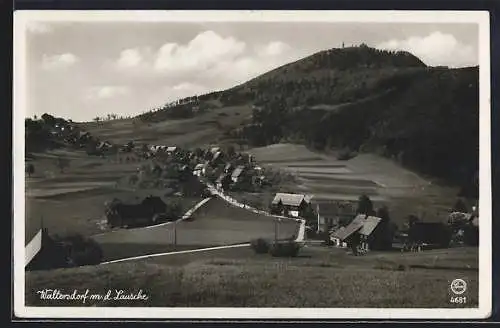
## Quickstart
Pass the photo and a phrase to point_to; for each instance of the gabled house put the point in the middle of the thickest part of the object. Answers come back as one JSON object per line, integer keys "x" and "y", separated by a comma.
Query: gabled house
{"x": 290, "y": 204}
{"x": 228, "y": 167}
{"x": 172, "y": 150}
{"x": 217, "y": 159}
{"x": 237, "y": 174}
{"x": 359, "y": 230}
{"x": 199, "y": 170}
{"x": 223, "y": 181}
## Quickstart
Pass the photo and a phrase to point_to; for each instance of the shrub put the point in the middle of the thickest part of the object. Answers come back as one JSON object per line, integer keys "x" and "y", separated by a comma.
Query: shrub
{"x": 260, "y": 246}
{"x": 346, "y": 155}
{"x": 82, "y": 251}
{"x": 284, "y": 249}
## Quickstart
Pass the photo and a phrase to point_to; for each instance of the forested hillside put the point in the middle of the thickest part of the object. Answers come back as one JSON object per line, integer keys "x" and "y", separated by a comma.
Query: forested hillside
{"x": 364, "y": 99}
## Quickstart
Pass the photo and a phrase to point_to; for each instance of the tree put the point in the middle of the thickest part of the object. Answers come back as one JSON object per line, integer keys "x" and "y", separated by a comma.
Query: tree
{"x": 48, "y": 119}
{"x": 96, "y": 119}
{"x": 62, "y": 163}
{"x": 412, "y": 219}
{"x": 230, "y": 151}
{"x": 365, "y": 205}
{"x": 30, "y": 169}
{"x": 460, "y": 206}
{"x": 381, "y": 238}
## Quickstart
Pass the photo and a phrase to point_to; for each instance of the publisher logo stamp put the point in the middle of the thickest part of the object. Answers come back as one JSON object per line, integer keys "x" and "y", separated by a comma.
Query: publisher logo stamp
{"x": 458, "y": 286}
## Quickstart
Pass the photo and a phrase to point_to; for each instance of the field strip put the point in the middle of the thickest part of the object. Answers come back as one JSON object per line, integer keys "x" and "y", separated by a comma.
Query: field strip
{"x": 301, "y": 234}
{"x": 174, "y": 253}
{"x": 186, "y": 215}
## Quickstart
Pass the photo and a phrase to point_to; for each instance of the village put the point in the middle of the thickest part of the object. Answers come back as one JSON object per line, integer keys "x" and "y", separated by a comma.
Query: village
{"x": 221, "y": 171}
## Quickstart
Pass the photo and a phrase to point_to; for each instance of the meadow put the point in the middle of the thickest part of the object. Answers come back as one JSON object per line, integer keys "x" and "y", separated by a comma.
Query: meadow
{"x": 215, "y": 224}
{"x": 328, "y": 179}
{"x": 237, "y": 277}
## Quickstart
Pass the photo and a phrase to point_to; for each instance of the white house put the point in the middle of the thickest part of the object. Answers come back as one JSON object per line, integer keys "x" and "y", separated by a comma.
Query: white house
{"x": 198, "y": 170}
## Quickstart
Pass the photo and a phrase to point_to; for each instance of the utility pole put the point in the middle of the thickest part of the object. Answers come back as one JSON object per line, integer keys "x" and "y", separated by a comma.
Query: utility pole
{"x": 317, "y": 212}
{"x": 275, "y": 230}
{"x": 175, "y": 235}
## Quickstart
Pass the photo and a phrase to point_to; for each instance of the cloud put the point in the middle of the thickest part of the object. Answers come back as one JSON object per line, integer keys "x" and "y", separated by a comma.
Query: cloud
{"x": 436, "y": 49}
{"x": 59, "y": 61}
{"x": 273, "y": 48}
{"x": 205, "y": 50}
{"x": 134, "y": 58}
{"x": 38, "y": 27}
{"x": 105, "y": 92}
{"x": 208, "y": 62}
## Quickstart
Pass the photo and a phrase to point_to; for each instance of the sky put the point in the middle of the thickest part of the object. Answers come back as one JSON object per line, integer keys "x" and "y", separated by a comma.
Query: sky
{"x": 80, "y": 70}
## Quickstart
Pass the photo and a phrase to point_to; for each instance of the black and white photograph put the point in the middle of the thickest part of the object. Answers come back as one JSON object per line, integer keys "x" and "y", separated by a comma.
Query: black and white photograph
{"x": 252, "y": 164}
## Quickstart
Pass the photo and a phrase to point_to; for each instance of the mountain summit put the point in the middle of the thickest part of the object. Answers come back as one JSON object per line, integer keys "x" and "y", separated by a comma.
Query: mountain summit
{"x": 365, "y": 99}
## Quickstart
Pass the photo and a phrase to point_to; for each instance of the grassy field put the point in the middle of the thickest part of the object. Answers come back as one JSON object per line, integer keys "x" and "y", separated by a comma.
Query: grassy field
{"x": 385, "y": 182}
{"x": 237, "y": 277}
{"x": 200, "y": 130}
{"x": 214, "y": 224}
{"x": 72, "y": 201}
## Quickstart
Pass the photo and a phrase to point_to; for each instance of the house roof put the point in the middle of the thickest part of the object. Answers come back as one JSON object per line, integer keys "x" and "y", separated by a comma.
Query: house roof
{"x": 354, "y": 226}
{"x": 371, "y": 223}
{"x": 220, "y": 178}
{"x": 171, "y": 148}
{"x": 228, "y": 166}
{"x": 217, "y": 155}
{"x": 198, "y": 166}
{"x": 289, "y": 199}
{"x": 214, "y": 149}
{"x": 237, "y": 172}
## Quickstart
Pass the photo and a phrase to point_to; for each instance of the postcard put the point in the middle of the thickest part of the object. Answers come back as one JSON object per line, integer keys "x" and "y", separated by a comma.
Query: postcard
{"x": 252, "y": 165}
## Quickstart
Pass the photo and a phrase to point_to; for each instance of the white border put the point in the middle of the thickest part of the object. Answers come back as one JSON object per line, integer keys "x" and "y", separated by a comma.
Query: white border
{"x": 21, "y": 18}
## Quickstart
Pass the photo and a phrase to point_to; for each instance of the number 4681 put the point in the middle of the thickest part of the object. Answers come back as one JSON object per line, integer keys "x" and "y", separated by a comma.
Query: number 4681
{"x": 458, "y": 299}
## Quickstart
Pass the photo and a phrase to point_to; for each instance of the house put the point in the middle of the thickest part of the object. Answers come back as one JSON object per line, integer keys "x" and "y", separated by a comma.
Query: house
{"x": 290, "y": 204}
{"x": 236, "y": 176}
{"x": 258, "y": 180}
{"x": 228, "y": 167}
{"x": 198, "y": 170}
{"x": 172, "y": 149}
{"x": 103, "y": 146}
{"x": 360, "y": 228}
{"x": 217, "y": 158}
{"x": 222, "y": 181}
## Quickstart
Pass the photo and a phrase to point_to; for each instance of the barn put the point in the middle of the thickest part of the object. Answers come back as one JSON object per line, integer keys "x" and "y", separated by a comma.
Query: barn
{"x": 358, "y": 231}
{"x": 237, "y": 173}
{"x": 290, "y": 204}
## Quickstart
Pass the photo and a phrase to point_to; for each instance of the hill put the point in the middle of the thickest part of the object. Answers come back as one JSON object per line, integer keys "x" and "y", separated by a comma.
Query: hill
{"x": 364, "y": 99}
